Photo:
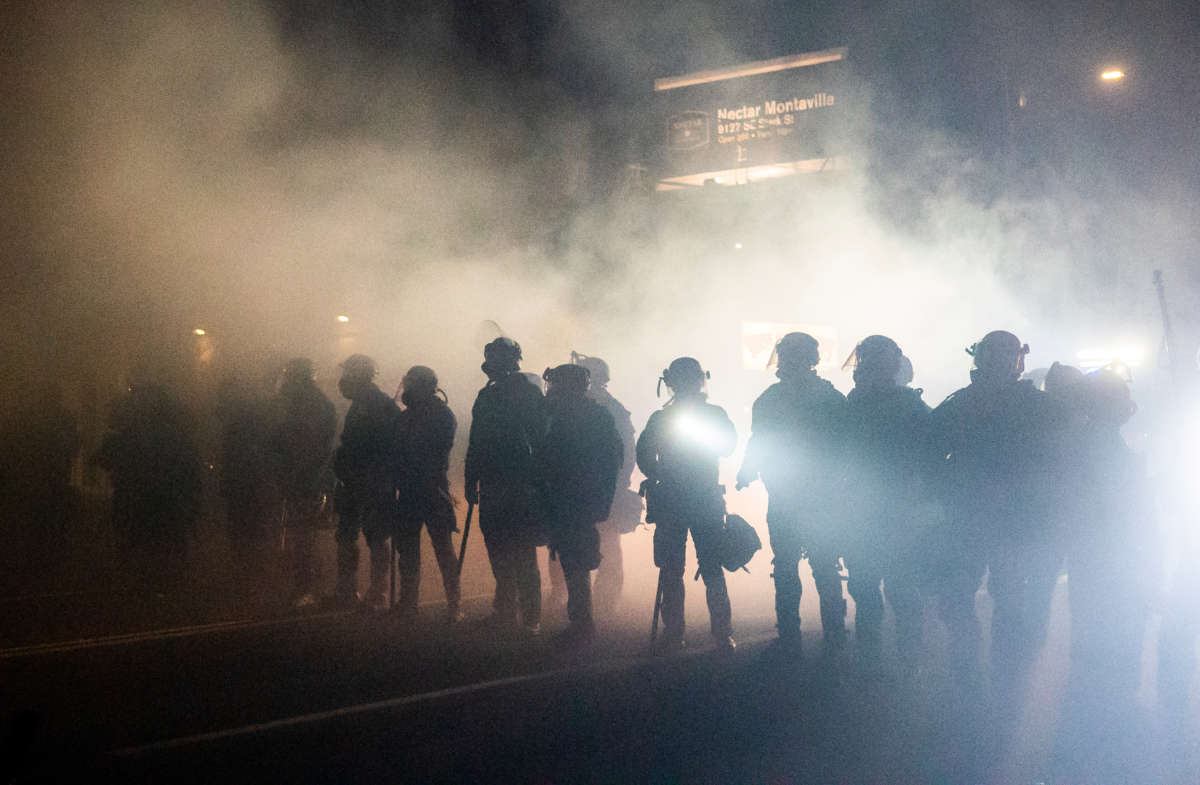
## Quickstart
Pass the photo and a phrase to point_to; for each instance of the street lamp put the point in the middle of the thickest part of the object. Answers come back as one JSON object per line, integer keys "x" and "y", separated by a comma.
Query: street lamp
{"x": 199, "y": 331}
{"x": 343, "y": 318}
{"x": 1112, "y": 75}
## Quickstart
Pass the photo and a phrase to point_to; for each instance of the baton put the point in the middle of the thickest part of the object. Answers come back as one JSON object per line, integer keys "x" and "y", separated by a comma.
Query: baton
{"x": 392, "y": 550}
{"x": 658, "y": 598}
{"x": 462, "y": 549}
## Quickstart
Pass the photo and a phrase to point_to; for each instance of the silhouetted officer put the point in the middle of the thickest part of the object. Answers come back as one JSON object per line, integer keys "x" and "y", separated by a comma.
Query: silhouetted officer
{"x": 678, "y": 451}
{"x": 246, "y": 472}
{"x": 366, "y": 466}
{"x": 793, "y": 447}
{"x": 426, "y": 435}
{"x": 626, "y": 511}
{"x": 151, "y": 457}
{"x": 302, "y": 446}
{"x": 577, "y": 473}
{"x": 507, "y": 422}
{"x": 997, "y": 442}
{"x": 39, "y": 444}
{"x": 1115, "y": 530}
{"x": 887, "y": 440}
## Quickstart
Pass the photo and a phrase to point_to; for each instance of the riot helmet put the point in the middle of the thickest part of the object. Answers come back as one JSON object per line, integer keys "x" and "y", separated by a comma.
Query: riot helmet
{"x": 1107, "y": 397}
{"x": 501, "y": 357}
{"x": 357, "y": 372}
{"x": 566, "y": 381}
{"x": 597, "y": 368}
{"x": 683, "y": 376}
{"x": 534, "y": 380}
{"x": 999, "y": 356}
{"x": 1061, "y": 379}
{"x": 876, "y": 359}
{"x": 298, "y": 369}
{"x": 419, "y": 383}
{"x": 358, "y": 367}
{"x": 298, "y": 374}
{"x": 795, "y": 353}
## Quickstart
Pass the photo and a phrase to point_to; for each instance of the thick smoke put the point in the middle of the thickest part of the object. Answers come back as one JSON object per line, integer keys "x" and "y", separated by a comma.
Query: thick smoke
{"x": 192, "y": 165}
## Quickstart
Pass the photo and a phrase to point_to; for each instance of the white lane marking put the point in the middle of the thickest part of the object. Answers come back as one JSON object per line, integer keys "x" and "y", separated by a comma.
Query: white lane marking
{"x": 49, "y": 596}
{"x": 56, "y": 647}
{"x": 156, "y": 635}
{"x": 596, "y": 668}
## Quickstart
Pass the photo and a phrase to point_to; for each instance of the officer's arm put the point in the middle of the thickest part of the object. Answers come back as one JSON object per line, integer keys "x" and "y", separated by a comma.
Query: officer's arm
{"x": 537, "y": 418}
{"x": 941, "y": 442}
{"x": 616, "y": 448}
{"x": 471, "y": 472}
{"x": 443, "y": 436}
{"x": 647, "y": 447}
{"x": 726, "y": 437}
{"x": 753, "y": 457}
{"x": 328, "y": 429}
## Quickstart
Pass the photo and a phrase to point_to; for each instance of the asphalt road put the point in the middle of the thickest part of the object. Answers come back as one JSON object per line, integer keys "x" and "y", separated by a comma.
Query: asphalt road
{"x": 360, "y": 697}
{"x": 222, "y": 682}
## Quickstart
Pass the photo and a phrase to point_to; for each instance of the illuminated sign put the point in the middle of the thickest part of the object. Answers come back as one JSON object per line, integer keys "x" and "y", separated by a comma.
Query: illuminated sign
{"x": 759, "y": 339}
{"x": 752, "y": 121}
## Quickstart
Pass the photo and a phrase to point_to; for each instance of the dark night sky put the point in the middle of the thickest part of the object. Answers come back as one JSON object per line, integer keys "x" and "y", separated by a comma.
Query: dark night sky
{"x": 937, "y": 63}
{"x": 181, "y": 155}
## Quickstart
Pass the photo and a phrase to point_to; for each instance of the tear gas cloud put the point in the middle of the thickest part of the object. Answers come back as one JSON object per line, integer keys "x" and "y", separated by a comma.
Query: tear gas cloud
{"x": 183, "y": 167}
{"x": 188, "y": 166}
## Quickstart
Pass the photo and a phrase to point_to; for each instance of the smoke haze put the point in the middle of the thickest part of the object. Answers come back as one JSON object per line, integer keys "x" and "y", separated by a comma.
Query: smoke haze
{"x": 231, "y": 168}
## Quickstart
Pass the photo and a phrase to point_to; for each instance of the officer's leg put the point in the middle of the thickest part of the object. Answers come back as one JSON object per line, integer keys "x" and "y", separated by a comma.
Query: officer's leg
{"x": 529, "y": 583}
{"x": 558, "y": 583}
{"x": 302, "y": 530}
{"x": 829, "y": 593}
{"x": 1010, "y": 642}
{"x": 1043, "y": 561}
{"x": 706, "y": 534}
{"x": 376, "y": 532}
{"x": 579, "y": 555}
{"x": 610, "y": 576}
{"x": 786, "y": 550}
{"x": 955, "y": 586}
{"x": 670, "y": 552}
{"x": 496, "y": 527}
{"x": 904, "y": 595}
{"x": 441, "y": 525}
{"x": 864, "y": 587}
{"x": 408, "y": 563}
{"x": 579, "y": 596}
{"x": 347, "y": 554}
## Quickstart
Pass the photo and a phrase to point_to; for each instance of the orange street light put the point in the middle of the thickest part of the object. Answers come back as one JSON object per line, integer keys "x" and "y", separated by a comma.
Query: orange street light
{"x": 1112, "y": 75}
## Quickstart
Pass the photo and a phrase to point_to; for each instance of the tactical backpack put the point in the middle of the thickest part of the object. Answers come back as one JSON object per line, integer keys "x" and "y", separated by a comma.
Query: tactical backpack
{"x": 739, "y": 543}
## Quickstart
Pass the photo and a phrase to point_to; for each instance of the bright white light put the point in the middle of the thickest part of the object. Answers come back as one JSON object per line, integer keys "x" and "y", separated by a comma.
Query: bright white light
{"x": 695, "y": 429}
{"x": 343, "y": 318}
{"x": 1129, "y": 355}
{"x": 737, "y": 246}
{"x": 718, "y": 180}
{"x": 199, "y": 331}
{"x": 1112, "y": 75}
